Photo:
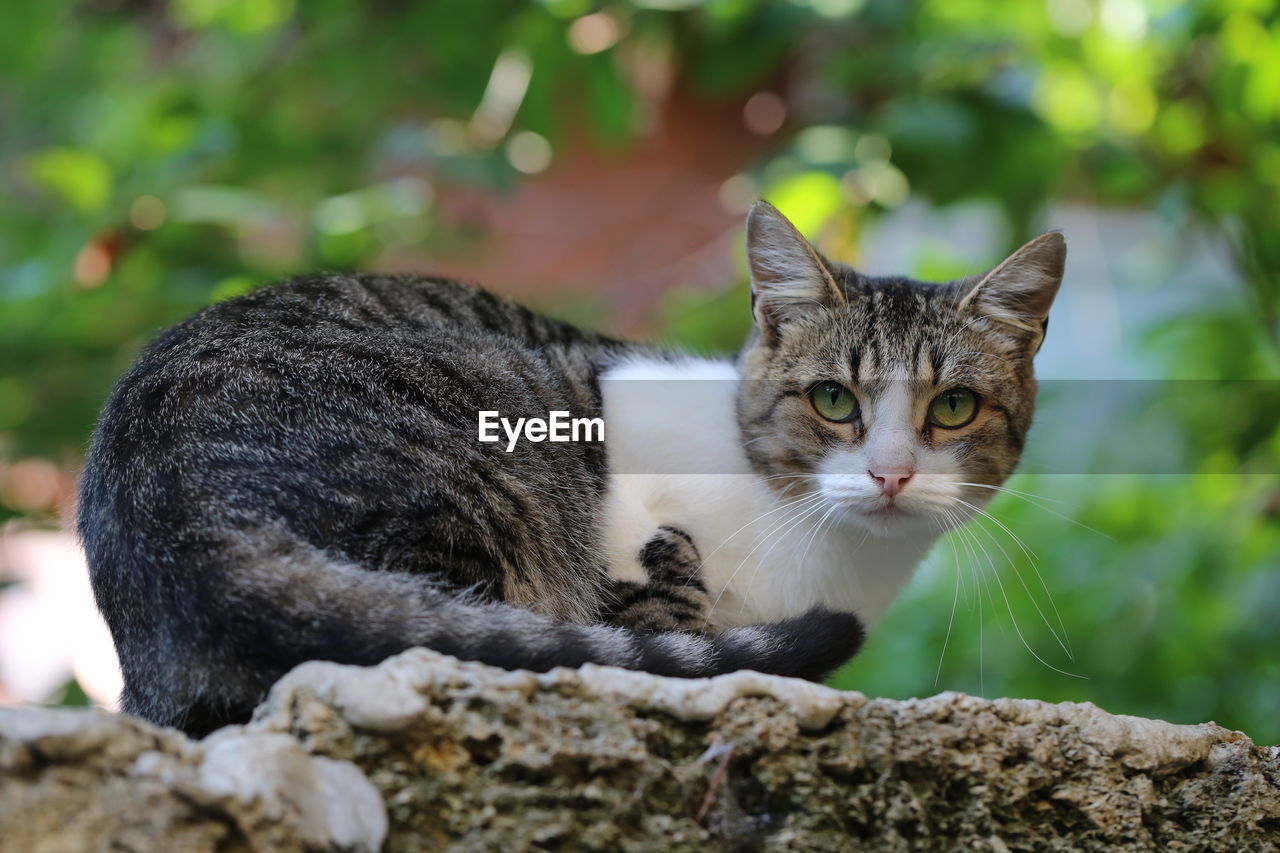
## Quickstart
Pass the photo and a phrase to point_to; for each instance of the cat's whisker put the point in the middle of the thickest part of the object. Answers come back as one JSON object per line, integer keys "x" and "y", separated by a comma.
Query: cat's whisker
{"x": 973, "y": 546}
{"x": 1032, "y": 559}
{"x": 1031, "y": 555}
{"x": 948, "y": 527}
{"x": 1008, "y": 604}
{"x": 1062, "y": 641}
{"x": 791, "y": 476}
{"x": 1018, "y": 629}
{"x": 1007, "y": 490}
{"x": 977, "y": 594}
{"x": 957, "y": 528}
{"x": 804, "y": 504}
{"x": 955, "y": 598}
{"x": 794, "y": 477}
{"x": 806, "y": 546}
{"x": 777, "y": 541}
{"x": 1032, "y": 499}
{"x": 763, "y": 515}
{"x": 814, "y": 534}
{"x": 802, "y": 501}
{"x": 779, "y": 530}
{"x": 981, "y": 584}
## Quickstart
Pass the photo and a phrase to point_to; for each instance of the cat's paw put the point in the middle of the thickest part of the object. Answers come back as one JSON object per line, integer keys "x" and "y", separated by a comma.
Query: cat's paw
{"x": 669, "y": 556}
{"x": 673, "y": 597}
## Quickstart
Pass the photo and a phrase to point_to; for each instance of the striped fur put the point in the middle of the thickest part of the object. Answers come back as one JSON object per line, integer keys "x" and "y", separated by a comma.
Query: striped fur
{"x": 295, "y": 474}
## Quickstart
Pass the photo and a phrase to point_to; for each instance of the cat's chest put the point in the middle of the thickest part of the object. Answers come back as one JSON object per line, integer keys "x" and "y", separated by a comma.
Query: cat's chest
{"x": 676, "y": 459}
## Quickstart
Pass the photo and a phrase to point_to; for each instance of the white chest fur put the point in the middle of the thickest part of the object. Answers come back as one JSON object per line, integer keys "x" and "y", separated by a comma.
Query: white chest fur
{"x": 676, "y": 458}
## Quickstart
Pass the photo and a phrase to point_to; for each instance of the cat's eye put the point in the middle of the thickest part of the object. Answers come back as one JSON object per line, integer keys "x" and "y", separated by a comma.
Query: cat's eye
{"x": 953, "y": 409}
{"x": 834, "y": 402}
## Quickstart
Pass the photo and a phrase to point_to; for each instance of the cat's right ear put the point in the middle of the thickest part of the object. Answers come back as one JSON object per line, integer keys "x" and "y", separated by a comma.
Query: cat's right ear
{"x": 788, "y": 276}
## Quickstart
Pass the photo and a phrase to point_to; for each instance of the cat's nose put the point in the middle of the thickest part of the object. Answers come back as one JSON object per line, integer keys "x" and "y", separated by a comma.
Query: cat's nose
{"x": 891, "y": 480}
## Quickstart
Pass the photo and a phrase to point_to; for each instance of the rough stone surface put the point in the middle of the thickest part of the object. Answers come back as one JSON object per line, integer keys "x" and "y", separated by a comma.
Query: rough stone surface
{"x": 424, "y": 752}
{"x": 85, "y": 780}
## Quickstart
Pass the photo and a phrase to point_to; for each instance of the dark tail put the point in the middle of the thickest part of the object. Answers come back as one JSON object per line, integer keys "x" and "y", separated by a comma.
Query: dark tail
{"x": 281, "y": 602}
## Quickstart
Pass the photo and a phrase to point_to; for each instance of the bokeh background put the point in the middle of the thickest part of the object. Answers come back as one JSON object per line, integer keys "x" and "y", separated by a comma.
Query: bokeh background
{"x": 596, "y": 160}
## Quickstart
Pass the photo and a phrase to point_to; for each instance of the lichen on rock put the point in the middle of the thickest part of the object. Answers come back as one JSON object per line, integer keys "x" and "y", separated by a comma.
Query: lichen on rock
{"x": 426, "y": 752}
{"x": 84, "y": 780}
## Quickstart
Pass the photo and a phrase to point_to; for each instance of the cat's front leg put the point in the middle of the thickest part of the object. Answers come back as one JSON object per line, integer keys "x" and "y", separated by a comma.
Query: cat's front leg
{"x": 673, "y": 599}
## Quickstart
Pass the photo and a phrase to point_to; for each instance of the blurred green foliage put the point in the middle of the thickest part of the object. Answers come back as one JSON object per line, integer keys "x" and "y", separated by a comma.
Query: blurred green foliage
{"x": 157, "y": 156}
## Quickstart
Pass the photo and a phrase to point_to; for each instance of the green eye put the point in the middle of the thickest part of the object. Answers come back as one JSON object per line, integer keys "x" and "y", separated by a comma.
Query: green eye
{"x": 834, "y": 402}
{"x": 954, "y": 409}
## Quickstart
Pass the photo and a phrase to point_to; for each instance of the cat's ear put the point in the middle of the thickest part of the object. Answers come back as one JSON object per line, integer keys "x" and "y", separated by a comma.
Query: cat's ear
{"x": 1017, "y": 294}
{"x": 788, "y": 276}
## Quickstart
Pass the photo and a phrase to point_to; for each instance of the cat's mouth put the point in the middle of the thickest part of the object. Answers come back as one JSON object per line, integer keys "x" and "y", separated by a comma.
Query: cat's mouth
{"x": 884, "y": 515}
{"x": 891, "y": 515}
{"x": 889, "y": 510}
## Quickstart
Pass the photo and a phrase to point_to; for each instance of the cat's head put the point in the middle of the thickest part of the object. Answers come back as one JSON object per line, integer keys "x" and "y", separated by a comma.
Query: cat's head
{"x": 899, "y": 402}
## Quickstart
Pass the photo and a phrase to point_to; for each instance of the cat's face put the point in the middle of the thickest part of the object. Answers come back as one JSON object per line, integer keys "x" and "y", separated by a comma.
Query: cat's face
{"x": 898, "y": 402}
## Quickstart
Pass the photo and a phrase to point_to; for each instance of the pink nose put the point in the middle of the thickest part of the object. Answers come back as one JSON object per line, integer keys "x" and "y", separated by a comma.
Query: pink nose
{"x": 892, "y": 480}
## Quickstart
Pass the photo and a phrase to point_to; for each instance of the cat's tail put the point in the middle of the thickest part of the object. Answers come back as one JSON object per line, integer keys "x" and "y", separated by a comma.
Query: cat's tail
{"x": 288, "y": 602}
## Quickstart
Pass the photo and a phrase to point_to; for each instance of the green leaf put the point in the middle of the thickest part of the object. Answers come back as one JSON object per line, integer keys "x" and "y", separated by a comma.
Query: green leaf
{"x": 79, "y": 177}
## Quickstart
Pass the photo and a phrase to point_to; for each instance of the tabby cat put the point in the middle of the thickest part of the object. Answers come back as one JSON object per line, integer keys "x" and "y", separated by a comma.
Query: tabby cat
{"x": 295, "y": 474}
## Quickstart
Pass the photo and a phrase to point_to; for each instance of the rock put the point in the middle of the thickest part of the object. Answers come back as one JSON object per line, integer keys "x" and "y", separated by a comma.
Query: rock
{"x": 425, "y": 752}
{"x": 85, "y": 780}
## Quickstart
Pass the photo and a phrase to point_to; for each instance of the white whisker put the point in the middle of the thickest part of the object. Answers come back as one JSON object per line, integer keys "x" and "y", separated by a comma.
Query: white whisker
{"x": 782, "y": 536}
{"x": 1029, "y": 499}
{"x": 788, "y": 505}
{"x": 1031, "y": 558}
{"x": 951, "y": 621}
{"x": 1062, "y": 640}
{"x": 1014, "y": 619}
{"x": 1008, "y": 490}
{"x": 982, "y": 512}
{"x": 800, "y": 507}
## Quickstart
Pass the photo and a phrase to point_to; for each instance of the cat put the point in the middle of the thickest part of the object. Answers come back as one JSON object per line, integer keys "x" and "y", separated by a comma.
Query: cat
{"x": 832, "y": 513}
{"x": 296, "y": 474}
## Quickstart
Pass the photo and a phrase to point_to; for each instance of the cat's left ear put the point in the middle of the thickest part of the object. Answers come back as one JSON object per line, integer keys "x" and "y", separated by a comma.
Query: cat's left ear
{"x": 1017, "y": 294}
{"x": 788, "y": 277}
